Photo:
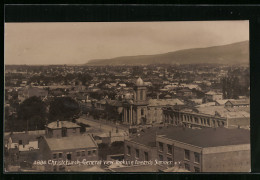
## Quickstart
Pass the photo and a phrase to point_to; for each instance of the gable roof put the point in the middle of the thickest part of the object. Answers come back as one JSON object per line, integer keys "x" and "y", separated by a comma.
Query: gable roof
{"x": 207, "y": 137}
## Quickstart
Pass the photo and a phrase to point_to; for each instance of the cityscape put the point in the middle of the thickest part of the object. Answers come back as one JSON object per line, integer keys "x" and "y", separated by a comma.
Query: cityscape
{"x": 187, "y": 110}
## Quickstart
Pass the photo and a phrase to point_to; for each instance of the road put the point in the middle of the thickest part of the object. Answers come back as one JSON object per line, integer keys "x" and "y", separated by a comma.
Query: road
{"x": 103, "y": 124}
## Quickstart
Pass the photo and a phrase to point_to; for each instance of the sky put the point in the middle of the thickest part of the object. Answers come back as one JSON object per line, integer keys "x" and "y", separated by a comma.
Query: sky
{"x": 79, "y": 42}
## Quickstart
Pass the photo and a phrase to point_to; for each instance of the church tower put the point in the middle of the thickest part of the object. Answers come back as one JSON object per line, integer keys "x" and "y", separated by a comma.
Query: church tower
{"x": 135, "y": 112}
{"x": 140, "y": 92}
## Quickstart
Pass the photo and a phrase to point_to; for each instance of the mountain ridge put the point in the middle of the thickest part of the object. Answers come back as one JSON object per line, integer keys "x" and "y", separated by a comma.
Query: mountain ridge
{"x": 235, "y": 53}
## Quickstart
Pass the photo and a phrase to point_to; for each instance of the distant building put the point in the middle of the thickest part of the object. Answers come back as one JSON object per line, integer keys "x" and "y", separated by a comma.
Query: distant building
{"x": 213, "y": 96}
{"x": 208, "y": 116}
{"x": 238, "y": 103}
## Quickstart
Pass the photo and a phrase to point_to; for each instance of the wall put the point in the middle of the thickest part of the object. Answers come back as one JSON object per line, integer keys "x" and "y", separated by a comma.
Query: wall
{"x": 152, "y": 151}
{"x": 178, "y": 152}
{"x": 227, "y": 159}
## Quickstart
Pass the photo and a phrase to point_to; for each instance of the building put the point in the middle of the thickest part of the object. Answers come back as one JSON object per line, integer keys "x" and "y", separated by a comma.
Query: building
{"x": 142, "y": 147}
{"x": 141, "y": 110}
{"x": 64, "y": 143}
{"x": 238, "y": 103}
{"x": 213, "y": 96}
{"x": 22, "y": 141}
{"x": 208, "y": 116}
{"x": 207, "y": 149}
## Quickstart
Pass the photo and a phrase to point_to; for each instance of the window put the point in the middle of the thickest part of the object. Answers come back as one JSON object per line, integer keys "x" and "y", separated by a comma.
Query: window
{"x": 83, "y": 153}
{"x": 187, "y": 166}
{"x": 186, "y": 154}
{"x": 128, "y": 150}
{"x": 160, "y": 146}
{"x": 78, "y": 153}
{"x": 142, "y": 112}
{"x": 54, "y": 156}
{"x": 146, "y": 156}
{"x": 196, "y": 169}
{"x": 160, "y": 157}
{"x": 89, "y": 153}
{"x": 60, "y": 155}
{"x": 197, "y": 157}
{"x": 20, "y": 142}
{"x": 137, "y": 153}
{"x": 94, "y": 152}
{"x": 169, "y": 147}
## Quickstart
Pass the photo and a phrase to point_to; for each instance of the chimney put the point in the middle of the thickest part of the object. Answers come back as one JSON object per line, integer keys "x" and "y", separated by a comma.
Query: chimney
{"x": 58, "y": 123}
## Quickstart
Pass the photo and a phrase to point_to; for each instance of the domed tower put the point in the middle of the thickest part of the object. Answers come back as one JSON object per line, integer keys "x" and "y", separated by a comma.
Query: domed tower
{"x": 140, "y": 92}
{"x": 135, "y": 112}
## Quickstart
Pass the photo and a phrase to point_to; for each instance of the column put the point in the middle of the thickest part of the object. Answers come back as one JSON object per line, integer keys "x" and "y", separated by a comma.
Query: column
{"x": 131, "y": 115}
{"x": 124, "y": 115}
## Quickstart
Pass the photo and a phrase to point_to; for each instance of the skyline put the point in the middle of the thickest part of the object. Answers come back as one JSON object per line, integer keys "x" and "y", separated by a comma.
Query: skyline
{"x": 77, "y": 43}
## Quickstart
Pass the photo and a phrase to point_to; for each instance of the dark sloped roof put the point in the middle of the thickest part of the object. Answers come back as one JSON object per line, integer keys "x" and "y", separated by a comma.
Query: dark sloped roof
{"x": 205, "y": 137}
{"x": 208, "y": 137}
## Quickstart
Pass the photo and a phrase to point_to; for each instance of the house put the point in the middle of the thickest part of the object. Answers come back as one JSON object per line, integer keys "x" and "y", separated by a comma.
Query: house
{"x": 22, "y": 142}
{"x": 184, "y": 92}
{"x": 213, "y": 96}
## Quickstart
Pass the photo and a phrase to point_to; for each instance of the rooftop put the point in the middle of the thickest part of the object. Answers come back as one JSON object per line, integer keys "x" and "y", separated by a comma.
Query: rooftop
{"x": 71, "y": 142}
{"x": 164, "y": 102}
{"x": 207, "y": 137}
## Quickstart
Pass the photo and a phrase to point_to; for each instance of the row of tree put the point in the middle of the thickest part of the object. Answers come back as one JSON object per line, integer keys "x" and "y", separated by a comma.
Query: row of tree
{"x": 34, "y": 114}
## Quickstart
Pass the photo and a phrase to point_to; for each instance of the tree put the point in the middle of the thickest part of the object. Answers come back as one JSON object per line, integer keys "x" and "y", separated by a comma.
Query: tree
{"x": 32, "y": 114}
{"x": 63, "y": 108}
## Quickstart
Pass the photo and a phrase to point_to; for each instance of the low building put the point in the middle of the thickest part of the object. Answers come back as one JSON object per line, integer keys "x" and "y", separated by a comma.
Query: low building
{"x": 22, "y": 141}
{"x": 238, "y": 103}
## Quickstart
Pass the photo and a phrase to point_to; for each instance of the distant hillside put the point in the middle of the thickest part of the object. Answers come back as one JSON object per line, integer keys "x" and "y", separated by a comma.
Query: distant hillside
{"x": 237, "y": 53}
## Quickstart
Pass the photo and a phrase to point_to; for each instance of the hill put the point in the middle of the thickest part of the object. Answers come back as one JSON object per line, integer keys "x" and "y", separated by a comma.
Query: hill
{"x": 236, "y": 53}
